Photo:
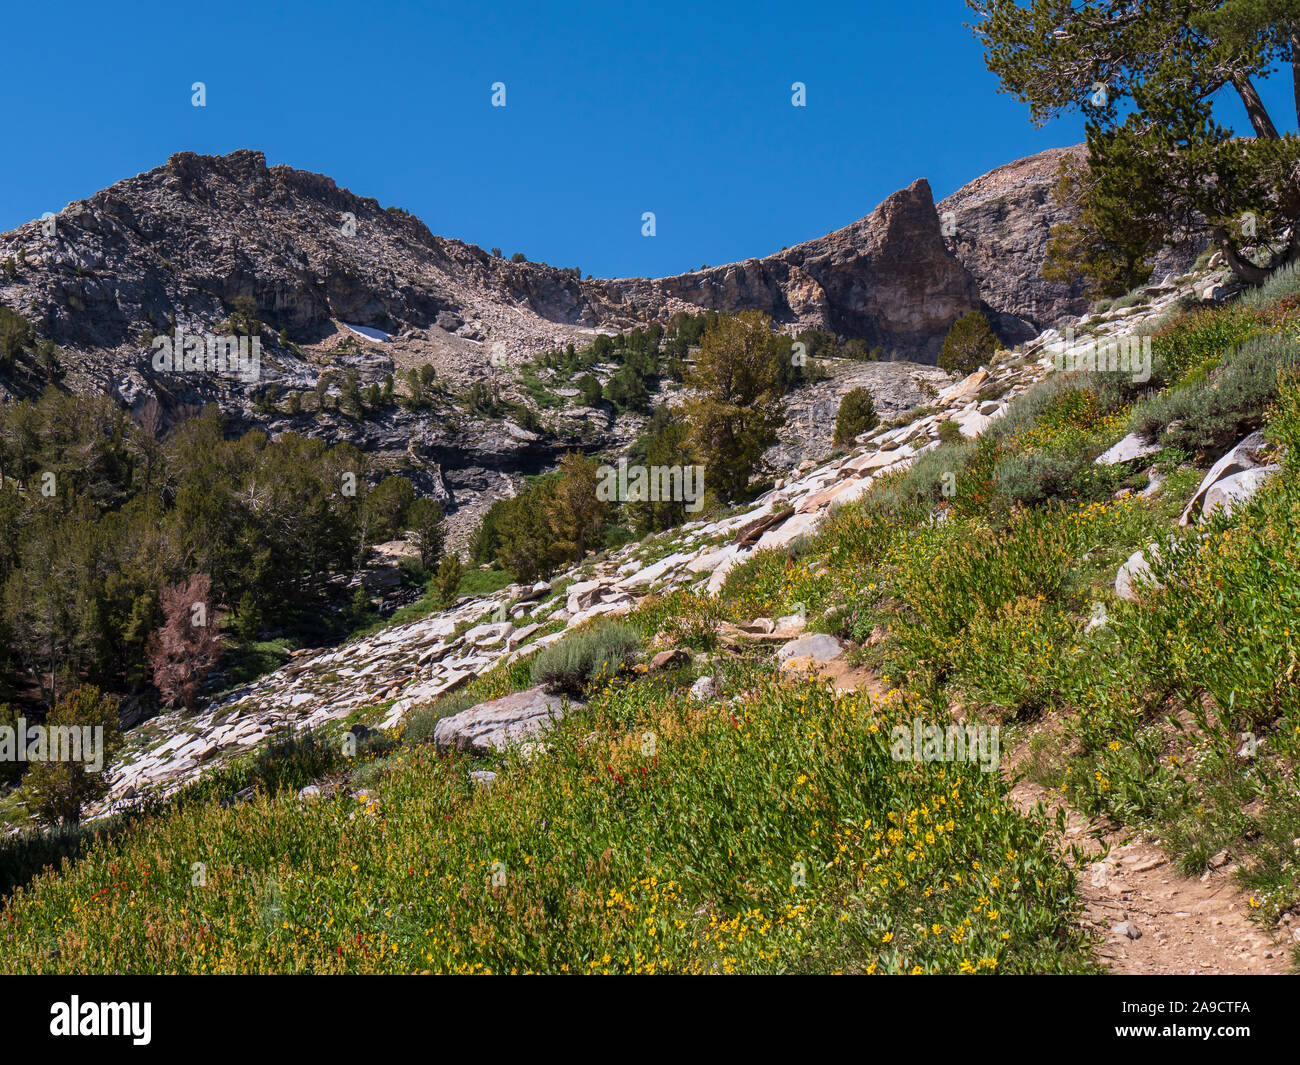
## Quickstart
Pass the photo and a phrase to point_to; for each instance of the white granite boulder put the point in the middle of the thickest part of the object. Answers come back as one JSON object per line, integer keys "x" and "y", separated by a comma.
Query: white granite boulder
{"x": 1247, "y": 455}
{"x": 1235, "y": 490}
{"x": 499, "y": 723}
{"x": 1131, "y": 447}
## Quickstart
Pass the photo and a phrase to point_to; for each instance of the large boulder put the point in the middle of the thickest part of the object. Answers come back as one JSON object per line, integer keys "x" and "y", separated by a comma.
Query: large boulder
{"x": 489, "y": 634}
{"x": 972, "y": 424}
{"x": 799, "y": 525}
{"x": 1247, "y": 455}
{"x": 818, "y": 647}
{"x": 500, "y": 723}
{"x": 1235, "y": 490}
{"x": 723, "y": 568}
{"x": 964, "y": 389}
{"x": 1138, "y": 570}
{"x": 583, "y": 594}
{"x": 1131, "y": 447}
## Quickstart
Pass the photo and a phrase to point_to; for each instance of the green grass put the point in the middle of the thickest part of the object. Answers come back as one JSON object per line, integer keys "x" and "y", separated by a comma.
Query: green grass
{"x": 749, "y": 841}
{"x": 540, "y": 392}
{"x": 483, "y": 582}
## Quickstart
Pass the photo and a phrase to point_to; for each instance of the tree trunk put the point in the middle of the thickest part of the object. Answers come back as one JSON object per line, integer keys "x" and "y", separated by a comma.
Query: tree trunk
{"x": 1255, "y": 108}
{"x": 1292, "y": 254}
{"x": 1247, "y": 271}
{"x": 1295, "y": 71}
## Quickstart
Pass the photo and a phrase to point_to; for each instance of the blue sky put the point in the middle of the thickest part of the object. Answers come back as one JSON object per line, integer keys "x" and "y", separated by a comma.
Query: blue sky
{"x": 613, "y": 109}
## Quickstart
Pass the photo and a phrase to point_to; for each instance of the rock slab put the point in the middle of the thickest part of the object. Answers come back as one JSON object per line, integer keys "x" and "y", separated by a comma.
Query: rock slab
{"x": 499, "y": 723}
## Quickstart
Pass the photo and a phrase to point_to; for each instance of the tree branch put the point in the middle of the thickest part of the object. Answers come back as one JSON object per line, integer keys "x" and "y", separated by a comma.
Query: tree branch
{"x": 1255, "y": 108}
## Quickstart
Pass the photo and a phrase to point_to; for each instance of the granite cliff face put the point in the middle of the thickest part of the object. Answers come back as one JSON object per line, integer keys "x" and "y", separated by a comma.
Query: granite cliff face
{"x": 998, "y": 227}
{"x": 887, "y": 278}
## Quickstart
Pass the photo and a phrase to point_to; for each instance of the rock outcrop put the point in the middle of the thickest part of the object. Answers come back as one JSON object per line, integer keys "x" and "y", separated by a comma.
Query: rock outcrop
{"x": 887, "y": 278}
{"x": 178, "y": 245}
{"x": 998, "y": 226}
{"x": 1248, "y": 457}
{"x": 500, "y": 723}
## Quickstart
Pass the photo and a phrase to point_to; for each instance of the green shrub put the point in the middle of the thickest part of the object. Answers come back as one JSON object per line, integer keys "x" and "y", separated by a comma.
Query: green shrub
{"x": 1024, "y": 411}
{"x": 10, "y": 768}
{"x": 948, "y": 573}
{"x": 424, "y": 518}
{"x": 1033, "y": 477}
{"x": 922, "y": 483}
{"x": 483, "y": 581}
{"x": 1209, "y": 412}
{"x": 1282, "y": 284}
{"x": 616, "y": 536}
{"x": 386, "y": 506}
{"x": 359, "y": 612}
{"x": 580, "y": 658}
{"x": 592, "y": 393}
{"x": 969, "y": 344}
{"x": 857, "y": 415}
{"x": 950, "y": 432}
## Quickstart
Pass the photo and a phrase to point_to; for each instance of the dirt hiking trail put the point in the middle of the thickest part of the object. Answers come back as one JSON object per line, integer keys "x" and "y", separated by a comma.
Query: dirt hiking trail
{"x": 1182, "y": 925}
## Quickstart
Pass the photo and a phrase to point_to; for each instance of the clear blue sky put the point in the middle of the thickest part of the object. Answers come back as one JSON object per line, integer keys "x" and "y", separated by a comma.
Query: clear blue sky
{"x": 613, "y": 108}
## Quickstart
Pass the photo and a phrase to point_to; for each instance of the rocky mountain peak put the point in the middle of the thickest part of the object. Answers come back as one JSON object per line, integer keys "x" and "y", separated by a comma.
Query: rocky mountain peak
{"x": 187, "y": 238}
{"x": 886, "y": 278}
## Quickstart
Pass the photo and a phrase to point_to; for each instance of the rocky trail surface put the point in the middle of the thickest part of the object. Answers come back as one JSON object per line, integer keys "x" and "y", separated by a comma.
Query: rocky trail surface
{"x": 1151, "y": 919}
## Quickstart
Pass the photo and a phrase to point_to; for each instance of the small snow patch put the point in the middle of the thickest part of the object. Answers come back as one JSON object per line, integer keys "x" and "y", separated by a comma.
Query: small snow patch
{"x": 369, "y": 332}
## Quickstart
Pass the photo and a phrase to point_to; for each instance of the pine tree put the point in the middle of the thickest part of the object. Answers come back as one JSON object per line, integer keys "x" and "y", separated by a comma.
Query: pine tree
{"x": 857, "y": 415}
{"x": 447, "y": 580}
{"x": 574, "y": 511}
{"x": 969, "y": 344}
{"x": 737, "y": 407}
{"x": 424, "y": 518}
{"x": 58, "y": 790}
{"x": 1162, "y": 170}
